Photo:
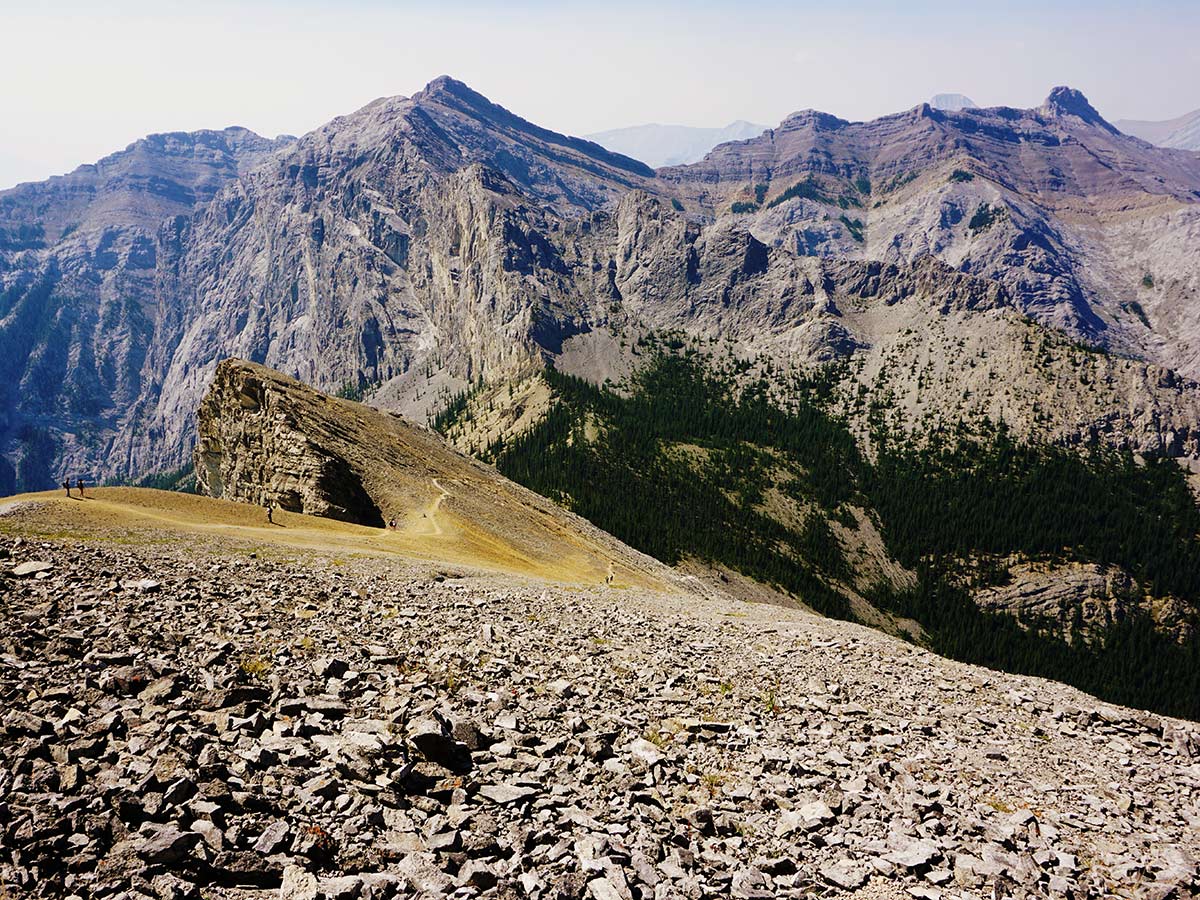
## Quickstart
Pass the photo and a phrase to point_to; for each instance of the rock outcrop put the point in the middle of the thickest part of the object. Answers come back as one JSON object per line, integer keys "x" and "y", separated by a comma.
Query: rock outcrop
{"x": 266, "y": 439}
{"x": 1079, "y": 222}
{"x": 1080, "y": 600}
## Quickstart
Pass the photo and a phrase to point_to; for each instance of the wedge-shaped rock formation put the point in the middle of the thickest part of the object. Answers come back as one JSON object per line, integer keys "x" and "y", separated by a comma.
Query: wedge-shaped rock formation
{"x": 266, "y": 439}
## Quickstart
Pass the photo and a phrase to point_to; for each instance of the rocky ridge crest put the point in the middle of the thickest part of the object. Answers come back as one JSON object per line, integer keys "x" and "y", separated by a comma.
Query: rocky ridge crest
{"x": 418, "y": 245}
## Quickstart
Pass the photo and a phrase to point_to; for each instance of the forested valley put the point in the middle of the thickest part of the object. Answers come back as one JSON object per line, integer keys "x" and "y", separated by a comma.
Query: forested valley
{"x": 692, "y": 461}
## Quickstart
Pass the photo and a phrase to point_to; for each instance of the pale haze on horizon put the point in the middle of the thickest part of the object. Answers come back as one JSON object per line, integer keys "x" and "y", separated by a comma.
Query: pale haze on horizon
{"x": 87, "y": 80}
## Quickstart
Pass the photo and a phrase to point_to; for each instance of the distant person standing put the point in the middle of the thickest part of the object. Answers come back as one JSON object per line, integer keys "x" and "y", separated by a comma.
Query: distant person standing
{"x": 270, "y": 514}
{"x": 79, "y": 484}
{"x": 67, "y": 486}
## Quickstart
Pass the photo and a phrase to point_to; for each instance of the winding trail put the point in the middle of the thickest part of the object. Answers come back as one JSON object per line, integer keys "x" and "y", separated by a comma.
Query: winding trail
{"x": 432, "y": 512}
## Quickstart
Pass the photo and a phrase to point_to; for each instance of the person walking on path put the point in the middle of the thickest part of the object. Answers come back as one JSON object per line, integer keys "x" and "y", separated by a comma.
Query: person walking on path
{"x": 67, "y": 486}
{"x": 270, "y": 514}
{"x": 79, "y": 484}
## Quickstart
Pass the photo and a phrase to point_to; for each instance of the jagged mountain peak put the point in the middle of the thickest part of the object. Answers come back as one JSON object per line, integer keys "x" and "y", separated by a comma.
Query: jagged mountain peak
{"x": 814, "y": 119}
{"x": 448, "y": 90}
{"x": 450, "y": 93}
{"x": 1069, "y": 101}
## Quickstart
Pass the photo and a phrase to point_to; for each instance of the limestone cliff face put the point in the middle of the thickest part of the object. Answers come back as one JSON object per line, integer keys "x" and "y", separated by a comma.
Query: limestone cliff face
{"x": 938, "y": 345}
{"x": 421, "y": 266}
{"x": 267, "y": 439}
{"x": 83, "y": 261}
{"x": 421, "y": 245}
{"x": 1080, "y": 599}
{"x": 251, "y": 448}
{"x": 1082, "y": 224}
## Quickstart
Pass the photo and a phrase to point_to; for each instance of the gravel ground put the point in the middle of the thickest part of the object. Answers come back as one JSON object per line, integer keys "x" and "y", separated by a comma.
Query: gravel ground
{"x": 198, "y": 720}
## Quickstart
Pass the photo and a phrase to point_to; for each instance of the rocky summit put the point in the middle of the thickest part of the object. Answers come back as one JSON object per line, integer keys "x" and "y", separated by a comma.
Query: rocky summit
{"x": 211, "y": 715}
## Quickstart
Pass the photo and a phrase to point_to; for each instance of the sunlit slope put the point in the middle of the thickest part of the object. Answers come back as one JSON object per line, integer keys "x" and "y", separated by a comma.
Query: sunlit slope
{"x": 266, "y": 439}
{"x": 142, "y": 514}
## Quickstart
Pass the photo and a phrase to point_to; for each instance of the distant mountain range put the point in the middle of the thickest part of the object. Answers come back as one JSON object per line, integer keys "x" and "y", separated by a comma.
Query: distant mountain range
{"x": 676, "y": 145}
{"x": 672, "y": 145}
{"x": 409, "y": 249}
{"x": 952, "y": 102}
{"x": 1182, "y": 133}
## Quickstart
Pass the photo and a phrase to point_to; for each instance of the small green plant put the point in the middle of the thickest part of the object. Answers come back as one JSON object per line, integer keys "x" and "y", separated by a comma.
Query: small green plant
{"x": 998, "y": 805}
{"x": 959, "y": 175}
{"x": 771, "y": 704}
{"x": 712, "y": 782}
{"x": 655, "y": 737}
{"x": 676, "y": 205}
{"x": 255, "y": 666}
{"x": 743, "y": 206}
{"x": 760, "y": 193}
{"x": 1147, "y": 280}
{"x": 863, "y": 184}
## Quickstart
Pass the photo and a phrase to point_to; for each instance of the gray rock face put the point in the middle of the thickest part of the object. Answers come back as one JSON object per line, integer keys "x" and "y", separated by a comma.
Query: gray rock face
{"x": 1054, "y": 203}
{"x": 1079, "y": 597}
{"x": 81, "y": 304}
{"x": 420, "y": 245}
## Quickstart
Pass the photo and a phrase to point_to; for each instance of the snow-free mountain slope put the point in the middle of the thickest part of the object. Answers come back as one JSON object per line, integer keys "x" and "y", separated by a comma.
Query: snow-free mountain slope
{"x": 268, "y": 440}
{"x": 409, "y": 249}
{"x": 673, "y": 145}
{"x": 1182, "y": 133}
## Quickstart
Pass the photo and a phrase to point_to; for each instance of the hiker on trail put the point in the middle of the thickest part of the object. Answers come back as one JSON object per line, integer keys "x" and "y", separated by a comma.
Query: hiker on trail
{"x": 79, "y": 484}
{"x": 392, "y": 525}
{"x": 270, "y": 514}
{"x": 67, "y": 485}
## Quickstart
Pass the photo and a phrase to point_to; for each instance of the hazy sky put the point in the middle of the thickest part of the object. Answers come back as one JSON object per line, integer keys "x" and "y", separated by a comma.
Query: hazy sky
{"x": 85, "y": 79}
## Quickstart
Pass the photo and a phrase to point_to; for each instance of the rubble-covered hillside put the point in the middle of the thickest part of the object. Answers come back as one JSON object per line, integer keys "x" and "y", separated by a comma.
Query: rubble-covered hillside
{"x": 219, "y": 718}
